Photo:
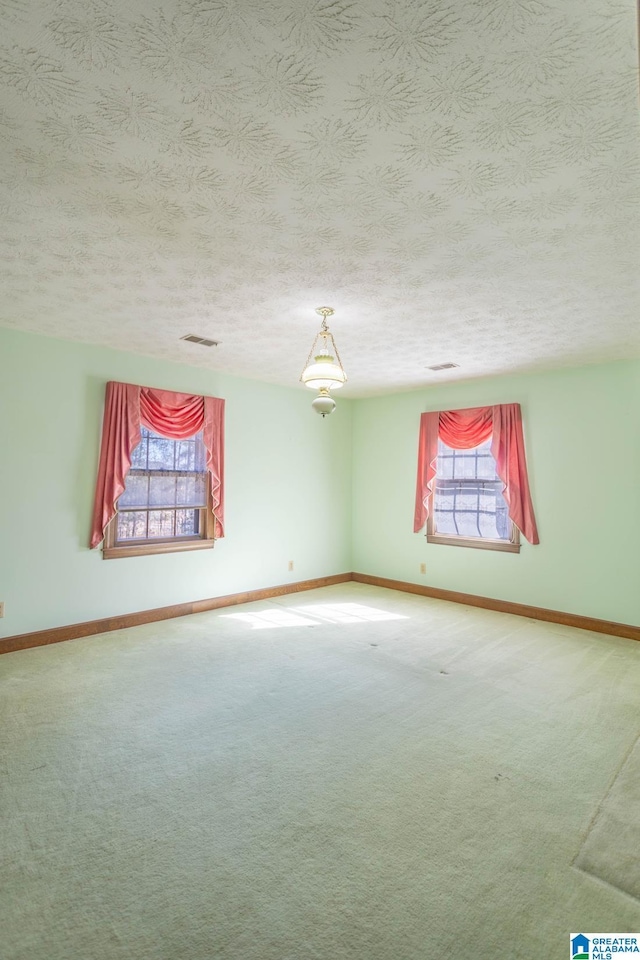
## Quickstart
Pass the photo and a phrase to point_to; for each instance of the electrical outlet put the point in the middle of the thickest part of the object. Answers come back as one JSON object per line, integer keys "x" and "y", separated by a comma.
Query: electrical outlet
{"x": 1, "y": 608}
{"x": 290, "y": 565}
{"x": 423, "y": 568}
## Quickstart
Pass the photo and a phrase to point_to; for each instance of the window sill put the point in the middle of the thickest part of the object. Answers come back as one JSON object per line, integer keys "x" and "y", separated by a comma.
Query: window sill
{"x": 147, "y": 549}
{"x": 504, "y": 546}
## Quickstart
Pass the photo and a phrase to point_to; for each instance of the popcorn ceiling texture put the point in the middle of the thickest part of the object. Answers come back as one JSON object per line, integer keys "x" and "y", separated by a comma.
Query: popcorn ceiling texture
{"x": 459, "y": 179}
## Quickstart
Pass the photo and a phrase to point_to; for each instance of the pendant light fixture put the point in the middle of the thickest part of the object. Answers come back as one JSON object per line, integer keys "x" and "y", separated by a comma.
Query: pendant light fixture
{"x": 324, "y": 371}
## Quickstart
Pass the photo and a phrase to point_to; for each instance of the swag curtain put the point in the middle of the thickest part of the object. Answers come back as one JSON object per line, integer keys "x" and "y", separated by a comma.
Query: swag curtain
{"x": 174, "y": 415}
{"x": 463, "y": 429}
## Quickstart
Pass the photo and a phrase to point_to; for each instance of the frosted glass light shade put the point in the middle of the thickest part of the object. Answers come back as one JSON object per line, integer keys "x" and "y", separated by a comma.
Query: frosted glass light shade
{"x": 325, "y": 372}
{"x": 324, "y": 404}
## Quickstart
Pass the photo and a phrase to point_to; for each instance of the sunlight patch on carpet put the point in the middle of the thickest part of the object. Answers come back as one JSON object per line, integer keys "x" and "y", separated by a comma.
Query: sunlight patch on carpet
{"x": 320, "y": 612}
{"x": 347, "y": 612}
{"x": 270, "y": 619}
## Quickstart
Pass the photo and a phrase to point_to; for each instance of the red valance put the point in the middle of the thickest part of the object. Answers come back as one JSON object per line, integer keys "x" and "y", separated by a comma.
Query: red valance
{"x": 463, "y": 429}
{"x": 174, "y": 415}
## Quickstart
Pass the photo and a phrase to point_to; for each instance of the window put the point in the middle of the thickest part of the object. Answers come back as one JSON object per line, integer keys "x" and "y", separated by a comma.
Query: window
{"x": 468, "y": 506}
{"x": 461, "y": 454}
{"x": 157, "y": 492}
{"x": 165, "y": 504}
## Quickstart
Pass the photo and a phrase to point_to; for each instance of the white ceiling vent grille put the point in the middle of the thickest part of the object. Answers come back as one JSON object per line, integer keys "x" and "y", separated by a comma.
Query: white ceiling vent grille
{"x": 192, "y": 338}
{"x": 443, "y": 366}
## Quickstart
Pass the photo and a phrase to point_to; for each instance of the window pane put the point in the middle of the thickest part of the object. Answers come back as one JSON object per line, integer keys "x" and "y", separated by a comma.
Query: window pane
{"x": 139, "y": 454}
{"x": 161, "y": 523}
{"x": 444, "y": 512}
{"x": 136, "y": 492}
{"x": 487, "y": 467}
{"x": 191, "y": 490}
{"x": 503, "y": 521}
{"x": 465, "y": 465}
{"x": 162, "y": 491}
{"x": 161, "y": 453}
{"x": 200, "y": 453}
{"x": 488, "y": 527}
{"x": 187, "y": 523}
{"x": 445, "y": 464}
{"x": 132, "y": 525}
{"x": 185, "y": 455}
{"x": 164, "y": 475}
{"x": 468, "y": 494}
{"x": 487, "y": 498}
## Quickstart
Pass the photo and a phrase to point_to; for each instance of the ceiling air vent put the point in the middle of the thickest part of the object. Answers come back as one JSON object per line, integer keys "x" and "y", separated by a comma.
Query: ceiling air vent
{"x": 192, "y": 338}
{"x": 443, "y": 366}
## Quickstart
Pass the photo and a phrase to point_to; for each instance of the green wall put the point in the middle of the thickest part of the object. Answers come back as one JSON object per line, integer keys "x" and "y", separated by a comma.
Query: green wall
{"x": 331, "y": 494}
{"x": 582, "y": 435}
{"x": 288, "y": 482}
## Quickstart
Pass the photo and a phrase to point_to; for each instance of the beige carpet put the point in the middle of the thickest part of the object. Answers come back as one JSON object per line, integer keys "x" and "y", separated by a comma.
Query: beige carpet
{"x": 611, "y": 849}
{"x": 341, "y": 788}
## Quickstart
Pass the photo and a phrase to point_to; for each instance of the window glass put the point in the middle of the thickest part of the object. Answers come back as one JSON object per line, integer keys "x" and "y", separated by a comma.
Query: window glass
{"x": 468, "y": 498}
{"x": 165, "y": 491}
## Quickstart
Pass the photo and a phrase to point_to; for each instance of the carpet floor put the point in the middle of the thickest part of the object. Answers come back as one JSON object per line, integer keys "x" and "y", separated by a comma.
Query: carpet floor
{"x": 346, "y": 774}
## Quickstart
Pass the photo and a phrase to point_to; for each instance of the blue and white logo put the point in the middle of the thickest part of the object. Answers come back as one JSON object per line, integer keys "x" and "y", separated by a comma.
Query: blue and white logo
{"x": 580, "y": 947}
{"x": 604, "y": 946}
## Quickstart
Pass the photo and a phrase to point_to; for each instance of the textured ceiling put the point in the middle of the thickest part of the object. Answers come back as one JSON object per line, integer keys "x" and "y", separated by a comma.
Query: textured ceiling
{"x": 460, "y": 179}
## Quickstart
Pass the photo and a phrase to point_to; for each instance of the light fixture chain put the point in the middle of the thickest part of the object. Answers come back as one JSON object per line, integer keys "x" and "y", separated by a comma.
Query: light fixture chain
{"x": 337, "y": 355}
{"x": 310, "y": 357}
